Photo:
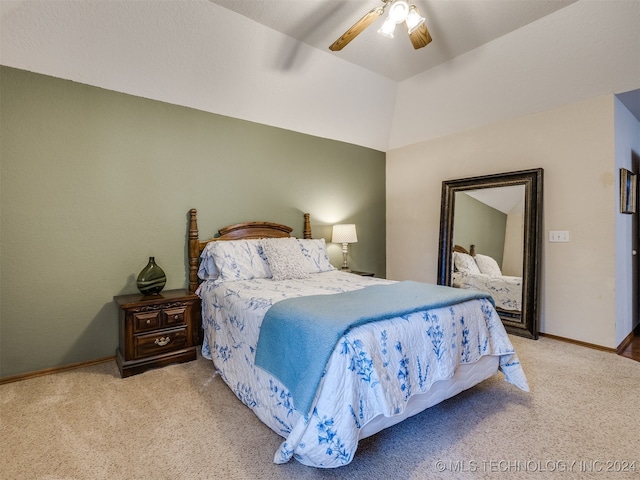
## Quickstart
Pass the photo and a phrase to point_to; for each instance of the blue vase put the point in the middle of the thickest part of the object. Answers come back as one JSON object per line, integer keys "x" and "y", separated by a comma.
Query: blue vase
{"x": 151, "y": 279}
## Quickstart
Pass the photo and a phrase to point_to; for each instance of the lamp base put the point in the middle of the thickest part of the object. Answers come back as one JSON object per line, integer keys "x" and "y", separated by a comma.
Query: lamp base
{"x": 345, "y": 252}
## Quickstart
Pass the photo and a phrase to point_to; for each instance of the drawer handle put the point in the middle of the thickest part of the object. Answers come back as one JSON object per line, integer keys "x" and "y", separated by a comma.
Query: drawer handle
{"x": 148, "y": 322}
{"x": 176, "y": 317}
{"x": 162, "y": 341}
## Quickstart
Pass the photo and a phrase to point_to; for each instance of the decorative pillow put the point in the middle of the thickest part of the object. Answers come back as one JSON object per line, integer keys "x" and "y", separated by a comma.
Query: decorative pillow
{"x": 240, "y": 259}
{"x": 207, "y": 269}
{"x": 465, "y": 263}
{"x": 488, "y": 265}
{"x": 315, "y": 255}
{"x": 285, "y": 258}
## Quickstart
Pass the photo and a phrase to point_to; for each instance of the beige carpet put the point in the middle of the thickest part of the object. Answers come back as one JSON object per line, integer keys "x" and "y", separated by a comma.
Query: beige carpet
{"x": 182, "y": 422}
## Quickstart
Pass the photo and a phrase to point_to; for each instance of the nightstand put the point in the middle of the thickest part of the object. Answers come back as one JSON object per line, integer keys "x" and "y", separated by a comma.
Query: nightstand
{"x": 156, "y": 330}
{"x": 363, "y": 274}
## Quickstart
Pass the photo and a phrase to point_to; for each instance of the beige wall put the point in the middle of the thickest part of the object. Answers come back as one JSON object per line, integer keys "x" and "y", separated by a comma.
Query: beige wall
{"x": 93, "y": 182}
{"x": 514, "y": 242}
{"x": 575, "y": 146}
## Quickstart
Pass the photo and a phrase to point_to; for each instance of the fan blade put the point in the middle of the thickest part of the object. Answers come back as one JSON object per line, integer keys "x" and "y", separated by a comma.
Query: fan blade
{"x": 420, "y": 37}
{"x": 356, "y": 29}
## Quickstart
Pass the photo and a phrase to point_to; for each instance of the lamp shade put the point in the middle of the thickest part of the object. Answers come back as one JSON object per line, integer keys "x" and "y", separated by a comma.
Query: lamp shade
{"x": 344, "y": 233}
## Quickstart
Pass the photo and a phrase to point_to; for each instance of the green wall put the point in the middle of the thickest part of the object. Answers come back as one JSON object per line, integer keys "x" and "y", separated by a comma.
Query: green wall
{"x": 93, "y": 182}
{"x": 479, "y": 224}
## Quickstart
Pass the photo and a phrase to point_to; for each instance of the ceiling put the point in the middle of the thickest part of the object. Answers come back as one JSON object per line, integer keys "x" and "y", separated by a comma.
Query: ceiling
{"x": 268, "y": 61}
{"x": 503, "y": 199}
{"x": 456, "y": 26}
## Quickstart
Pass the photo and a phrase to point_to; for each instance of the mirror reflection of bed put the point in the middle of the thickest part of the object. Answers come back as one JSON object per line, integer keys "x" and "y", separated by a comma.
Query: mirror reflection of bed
{"x": 482, "y": 272}
{"x": 488, "y": 238}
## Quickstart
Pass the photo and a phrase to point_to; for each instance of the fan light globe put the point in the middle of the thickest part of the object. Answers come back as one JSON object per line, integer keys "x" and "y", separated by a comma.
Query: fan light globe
{"x": 414, "y": 19}
{"x": 399, "y": 11}
{"x": 387, "y": 28}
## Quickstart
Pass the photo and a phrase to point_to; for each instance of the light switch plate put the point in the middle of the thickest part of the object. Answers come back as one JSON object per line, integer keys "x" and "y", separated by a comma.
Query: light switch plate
{"x": 558, "y": 236}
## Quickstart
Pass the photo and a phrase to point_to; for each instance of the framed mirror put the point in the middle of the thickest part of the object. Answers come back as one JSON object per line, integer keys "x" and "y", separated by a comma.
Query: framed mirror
{"x": 490, "y": 239}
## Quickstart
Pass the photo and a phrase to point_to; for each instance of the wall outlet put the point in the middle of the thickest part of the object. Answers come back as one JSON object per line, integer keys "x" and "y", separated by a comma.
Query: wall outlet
{"x": 558, "y": 236}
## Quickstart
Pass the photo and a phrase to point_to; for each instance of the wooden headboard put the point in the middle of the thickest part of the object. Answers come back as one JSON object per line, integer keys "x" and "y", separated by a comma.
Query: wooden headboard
{"x": 460, "y": 249}
{"x": 233, "y": 232}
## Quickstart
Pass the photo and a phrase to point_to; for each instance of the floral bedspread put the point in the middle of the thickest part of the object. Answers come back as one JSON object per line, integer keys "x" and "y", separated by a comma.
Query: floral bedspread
{"x": 373, "y": 370}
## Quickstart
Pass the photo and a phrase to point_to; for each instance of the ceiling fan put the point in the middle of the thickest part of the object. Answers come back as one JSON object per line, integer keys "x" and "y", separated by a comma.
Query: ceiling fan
{"x": 399, "y": 12}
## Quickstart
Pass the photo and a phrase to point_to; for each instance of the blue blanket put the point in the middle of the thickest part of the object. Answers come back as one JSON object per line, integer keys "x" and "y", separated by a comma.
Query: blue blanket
{"x": 298, "y": 334}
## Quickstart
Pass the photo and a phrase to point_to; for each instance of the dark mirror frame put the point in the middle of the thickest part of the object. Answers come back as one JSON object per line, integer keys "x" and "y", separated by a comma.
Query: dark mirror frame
{"x": 527, "y": 326}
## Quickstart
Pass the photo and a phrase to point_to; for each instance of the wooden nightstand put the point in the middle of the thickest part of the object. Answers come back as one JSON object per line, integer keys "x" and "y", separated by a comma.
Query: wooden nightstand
{"x": 363, "y": 274}
{"x": 156, "y": 330}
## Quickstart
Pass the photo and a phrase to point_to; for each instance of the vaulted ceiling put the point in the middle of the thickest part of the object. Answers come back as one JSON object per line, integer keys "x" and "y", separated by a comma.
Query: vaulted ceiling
{"x": 457, "y": 26}
{"x": 268, "y": 61}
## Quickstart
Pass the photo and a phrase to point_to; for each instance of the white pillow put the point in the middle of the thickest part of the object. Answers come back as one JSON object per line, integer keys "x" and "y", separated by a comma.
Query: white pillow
{"x": 488, "y": 265}
{"x": 240, "y": 259}
{"x": 315, "y": 255}
{"x": 207, "y": 269}
{"x": 465, "y": 263}
{"x": 285, "y": 258}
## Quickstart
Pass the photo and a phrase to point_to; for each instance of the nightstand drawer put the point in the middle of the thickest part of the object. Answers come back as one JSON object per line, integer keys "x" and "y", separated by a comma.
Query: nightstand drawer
{"x": 146, "y": 321}
{"x": 159, "y": 342}
{"x": 173, "y": 316}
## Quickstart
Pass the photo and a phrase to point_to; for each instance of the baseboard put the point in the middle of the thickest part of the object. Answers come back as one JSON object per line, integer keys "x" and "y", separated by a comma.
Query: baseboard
{"x": 628, "y": 339}
{"x": 49, "y": 371}
{"x": 578, "y": 342}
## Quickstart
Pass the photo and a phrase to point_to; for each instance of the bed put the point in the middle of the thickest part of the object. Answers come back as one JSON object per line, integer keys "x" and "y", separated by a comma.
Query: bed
{"x": 377, "y": 372}
{"x": 476, "y": 271}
